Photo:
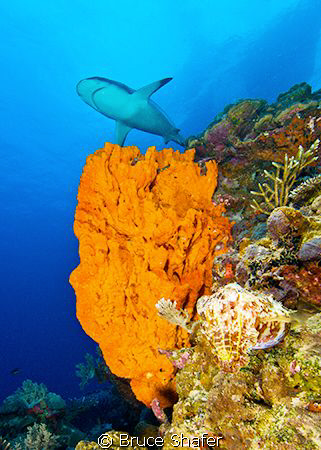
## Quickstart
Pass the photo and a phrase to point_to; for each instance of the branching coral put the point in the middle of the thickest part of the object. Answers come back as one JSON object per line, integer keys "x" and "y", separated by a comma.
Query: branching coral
{"x": 283, "y": 179}
{"x": 147, "y": 229}
{"x": 40, "y": 438}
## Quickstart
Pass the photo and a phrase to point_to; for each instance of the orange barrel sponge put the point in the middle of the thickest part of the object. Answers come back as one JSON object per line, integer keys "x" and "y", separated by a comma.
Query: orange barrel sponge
{"x": 147, "y": 229}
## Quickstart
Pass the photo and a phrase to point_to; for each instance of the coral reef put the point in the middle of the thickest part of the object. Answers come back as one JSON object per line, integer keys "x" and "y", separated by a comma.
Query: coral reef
{"x": 285, "y": 223}
{"x": 147, "y": 228}
{"x": 272, "y": 403}
{"x": 70, "y": 422}
{"x": 301, "y": 92}
{"x": 304, "y": 281}
{"x": 268, "y": 397}
{"x": 306, "y": 189}
{"x": 246, "y": 138}
{"x": 29, "y": 396}
{"x": 286, "y": 263}
{"x": 283, "y": 179}
{"x": 244, "y": 360}
{"x": 39, "y": 438}
{"x": 31, "y": 416}
{"x": 300, "y": 128}
{"x": 258, "y": 130}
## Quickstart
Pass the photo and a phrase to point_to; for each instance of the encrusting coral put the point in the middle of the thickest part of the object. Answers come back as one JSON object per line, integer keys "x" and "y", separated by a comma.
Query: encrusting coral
{"x": 272, "y": 403}
{"x": 245, "y": 138}
{"x": 305, "y": 189}
{"x": 147, "y": 228}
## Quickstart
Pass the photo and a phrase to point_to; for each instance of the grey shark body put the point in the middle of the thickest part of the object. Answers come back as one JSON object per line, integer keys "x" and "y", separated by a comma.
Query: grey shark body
{"x": 128, "y": 107}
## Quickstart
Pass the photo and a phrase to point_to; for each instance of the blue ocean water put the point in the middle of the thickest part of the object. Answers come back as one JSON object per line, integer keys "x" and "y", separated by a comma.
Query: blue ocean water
{"x": 216, "y": 52}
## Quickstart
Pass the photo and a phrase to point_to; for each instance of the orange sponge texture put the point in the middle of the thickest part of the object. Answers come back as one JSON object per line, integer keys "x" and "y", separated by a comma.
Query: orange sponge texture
{"x": 147, "y": 229}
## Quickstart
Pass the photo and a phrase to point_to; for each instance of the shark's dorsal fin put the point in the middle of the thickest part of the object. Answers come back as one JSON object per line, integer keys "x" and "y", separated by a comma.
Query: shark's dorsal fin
{"x": 147, "y": 91}
{"x": 121, "y": 132}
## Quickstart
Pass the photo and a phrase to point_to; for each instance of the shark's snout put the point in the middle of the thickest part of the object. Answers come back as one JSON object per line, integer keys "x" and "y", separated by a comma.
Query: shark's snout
{"x": 86, "y": 89}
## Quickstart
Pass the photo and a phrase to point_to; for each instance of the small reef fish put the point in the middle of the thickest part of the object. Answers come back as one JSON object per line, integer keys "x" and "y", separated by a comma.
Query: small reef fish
{"x": 15, "y": 371}
{"x": 128, "y": 107}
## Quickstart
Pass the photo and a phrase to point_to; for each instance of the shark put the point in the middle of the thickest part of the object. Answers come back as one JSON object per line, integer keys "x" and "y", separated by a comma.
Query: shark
{"x": 130, "y": 108}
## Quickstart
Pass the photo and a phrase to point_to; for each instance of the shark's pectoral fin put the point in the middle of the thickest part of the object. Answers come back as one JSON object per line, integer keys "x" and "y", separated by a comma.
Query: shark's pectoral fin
{"x": 146, "y": 91}
{"x": 121, "y": 132}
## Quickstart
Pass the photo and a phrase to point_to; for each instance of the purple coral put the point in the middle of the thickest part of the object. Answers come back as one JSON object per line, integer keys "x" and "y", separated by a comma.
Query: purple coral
{"x": 218, "y": 137}
{"x": 177, "y": 358}
{"x": 158, "y": 411}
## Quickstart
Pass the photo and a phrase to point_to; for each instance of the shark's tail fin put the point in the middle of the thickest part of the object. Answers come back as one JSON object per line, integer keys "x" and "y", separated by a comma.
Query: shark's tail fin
{"x": 181, "y": 140}
{"x": 176, "y": 137}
